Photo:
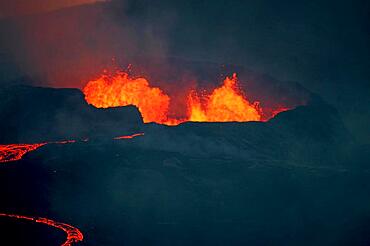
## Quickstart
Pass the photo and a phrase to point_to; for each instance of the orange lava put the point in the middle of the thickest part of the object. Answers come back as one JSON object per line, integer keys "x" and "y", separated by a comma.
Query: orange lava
{"x": 121, "y": 90}
{"x": 74, "y": 235}
{"x": 14, "y": 152}
{"x": 225, "y": 103}
{"x": 129, "y": 136}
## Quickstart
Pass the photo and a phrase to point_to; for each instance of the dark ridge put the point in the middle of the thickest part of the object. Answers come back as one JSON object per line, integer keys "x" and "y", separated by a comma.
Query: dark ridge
{"x": 34, "y": 114}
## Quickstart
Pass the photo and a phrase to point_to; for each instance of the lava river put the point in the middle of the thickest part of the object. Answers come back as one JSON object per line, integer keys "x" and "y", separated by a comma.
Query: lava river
{"x": 14, "y": 152}
{"x": 74, "y": 235}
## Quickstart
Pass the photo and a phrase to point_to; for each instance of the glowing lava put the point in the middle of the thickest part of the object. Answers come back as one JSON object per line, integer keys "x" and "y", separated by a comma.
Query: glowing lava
{"x": 14, "y": 152}
{"x": 225, "y": 103}
{"x": 121, "y": 90}
{"x": 129, "y": 136}
{"x": 74, "y": 235}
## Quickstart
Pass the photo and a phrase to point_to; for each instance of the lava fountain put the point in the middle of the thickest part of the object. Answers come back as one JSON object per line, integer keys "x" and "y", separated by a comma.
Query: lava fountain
{"x": 223, "y": 104}
{"x": 226, "y": 103}
{"x": 121, "y": 90}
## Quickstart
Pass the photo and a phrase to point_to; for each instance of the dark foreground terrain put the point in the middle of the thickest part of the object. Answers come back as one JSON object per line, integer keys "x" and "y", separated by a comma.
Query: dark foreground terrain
{"x": 298, "y": 179}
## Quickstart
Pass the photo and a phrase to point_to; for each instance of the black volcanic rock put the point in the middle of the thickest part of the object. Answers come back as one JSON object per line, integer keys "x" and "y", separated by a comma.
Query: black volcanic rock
{"x": 33, "y": 114}
{"x": 290, "y": 181}
{"x": 311, "y": 135}
{"x": 203, "y": 183}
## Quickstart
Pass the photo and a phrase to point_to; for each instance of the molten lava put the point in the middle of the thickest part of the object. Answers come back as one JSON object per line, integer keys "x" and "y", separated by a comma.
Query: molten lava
{"x": 226, "y": 103}
{"x": 74, "y": 235}
{"x": 129, "y": 136}
{"x": 14, "y": 152}
{"x": 120, "y": 90}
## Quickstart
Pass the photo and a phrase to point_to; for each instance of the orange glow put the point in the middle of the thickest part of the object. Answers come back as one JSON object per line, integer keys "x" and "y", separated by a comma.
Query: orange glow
{"x": 74, "y": 235}
{"x": 223, "y": 104}
{"x": 120, "y": 90}
{"x": 279, "y": 110}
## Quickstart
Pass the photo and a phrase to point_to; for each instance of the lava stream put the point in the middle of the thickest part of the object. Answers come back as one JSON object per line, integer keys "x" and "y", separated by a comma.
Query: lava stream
{"x": 15, "y": 152}
{"x": 129, "y": 136}
{"x": 74, "y": 235}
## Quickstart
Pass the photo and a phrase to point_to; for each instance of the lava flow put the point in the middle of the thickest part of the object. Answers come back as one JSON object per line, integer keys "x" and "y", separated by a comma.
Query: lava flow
{"x": 74, "y": 235}
{"x": 14, "y": 152}
{"x": 226, "y": 103}
{"x": 129, "y": 136}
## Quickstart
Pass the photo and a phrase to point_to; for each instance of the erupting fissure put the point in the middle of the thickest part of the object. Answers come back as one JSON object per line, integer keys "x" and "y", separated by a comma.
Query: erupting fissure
{"x": 225, "y": 103}
{"x": 121, "y": 90}
{"x": 74, "y": 235}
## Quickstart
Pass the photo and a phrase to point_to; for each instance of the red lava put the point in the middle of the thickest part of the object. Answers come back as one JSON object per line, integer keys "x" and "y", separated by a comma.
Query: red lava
{"x": 129, "y": 136}
{"x": 74, "y": 235}
{"x": 15, "y": 152}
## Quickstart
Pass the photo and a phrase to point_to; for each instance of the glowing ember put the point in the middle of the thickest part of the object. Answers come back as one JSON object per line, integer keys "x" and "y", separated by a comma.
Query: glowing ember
{"x": 225, "y": 103}
{"x": 74, "y": 235}
{"x": 120, "y": 90}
